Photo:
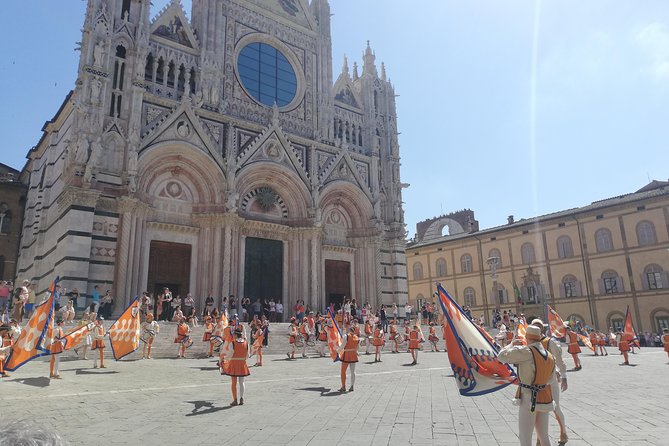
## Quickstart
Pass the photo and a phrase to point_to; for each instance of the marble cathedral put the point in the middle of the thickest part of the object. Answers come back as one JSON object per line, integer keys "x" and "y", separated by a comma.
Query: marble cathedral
{"x": 219, "y": 155}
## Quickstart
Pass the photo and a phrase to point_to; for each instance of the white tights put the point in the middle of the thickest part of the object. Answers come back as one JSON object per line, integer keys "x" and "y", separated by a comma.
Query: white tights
{"x": 242, "y": 386}
{"x": 528, "y": 422}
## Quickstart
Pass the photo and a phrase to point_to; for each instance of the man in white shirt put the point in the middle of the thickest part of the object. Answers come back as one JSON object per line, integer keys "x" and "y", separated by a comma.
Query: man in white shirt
{"x": 558, "y": 381}
{"x": 279, "y": 312}
{"x": 535, "y": 368}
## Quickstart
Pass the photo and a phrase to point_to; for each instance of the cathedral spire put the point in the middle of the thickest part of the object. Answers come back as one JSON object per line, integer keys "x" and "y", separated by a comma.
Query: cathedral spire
{"x": 355, "y": 71}
{"x": 344, "y": 68}
{"x": 383, "y": 71}
{"x": 368, "y": 62}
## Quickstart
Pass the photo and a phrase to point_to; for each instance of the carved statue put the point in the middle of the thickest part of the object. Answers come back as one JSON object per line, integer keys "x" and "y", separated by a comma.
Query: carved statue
{"x": 215, "y": 97}
{"x": 197, "y": 99}
{"x": 94, "y": 159}
{"x": 231, "y": 202}
{"x": 96, "y": 89}
{"x": 275, "y": 115}
{"x": 132, "y": 162}
{"x": 133, "y": 136}
{"x": 132, "y": 184}
{"x": 98, "y": 54}
{"x": 81, "y": 152}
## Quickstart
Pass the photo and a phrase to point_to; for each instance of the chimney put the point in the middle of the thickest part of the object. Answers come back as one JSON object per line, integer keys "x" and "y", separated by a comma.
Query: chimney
{"x": 509, "y": 219}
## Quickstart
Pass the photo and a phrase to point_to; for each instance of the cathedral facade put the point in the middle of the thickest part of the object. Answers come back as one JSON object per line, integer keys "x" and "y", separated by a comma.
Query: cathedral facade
{"x": 219, "y": 155}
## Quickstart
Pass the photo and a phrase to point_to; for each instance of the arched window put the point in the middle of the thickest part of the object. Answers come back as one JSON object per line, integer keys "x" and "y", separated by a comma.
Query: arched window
{"x": 441, "y": 267}
{"x": 417, "y": 271}
{"x": 616, "y": 321}
{"x": 570, "y": 286}
{"x": 466, "y": 263}
{"x": 565, "y": 249}
{"x": 470, "y": 297}
{"x": 661, "y": 318}
{"x": 5, "y": 219}
{"x": 604, "y": 240}
{"x": 420, "y": 300}
{"x": 117, "y": 82}
{"x": 527, "y": 253}
{"x": 611, "y": 283}
{"x": 148, "y": 69}
{"x": 645, "y": 233}
{"x": 654, "y": 278}
{"x": 496, "y": 254}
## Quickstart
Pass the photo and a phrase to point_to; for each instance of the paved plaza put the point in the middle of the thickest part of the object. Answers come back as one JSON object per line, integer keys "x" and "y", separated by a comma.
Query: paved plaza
{"x": 169, "y": 401}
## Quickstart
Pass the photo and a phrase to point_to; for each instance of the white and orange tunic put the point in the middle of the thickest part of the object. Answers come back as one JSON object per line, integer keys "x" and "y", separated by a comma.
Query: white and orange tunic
{"x": 56, "y": 342}
{"x": 350, "y": 352}
{"x": 236, "y": 365}
{"x": 208, "y": 330}
{"x": 379, "y": 339}
{"x": 572, "y": 342}
{"x": 292, "y": 336}
{"x": 433, "y": 334}
{"x": 98, "y": 337}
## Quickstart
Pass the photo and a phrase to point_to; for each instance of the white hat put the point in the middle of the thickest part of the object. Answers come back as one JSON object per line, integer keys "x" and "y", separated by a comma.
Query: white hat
{"x": 539, "y": 323}
{"x": 533, "y": 332}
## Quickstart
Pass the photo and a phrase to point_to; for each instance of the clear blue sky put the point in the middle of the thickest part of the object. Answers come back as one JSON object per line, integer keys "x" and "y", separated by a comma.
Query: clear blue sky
{"x": 493, "y": 116}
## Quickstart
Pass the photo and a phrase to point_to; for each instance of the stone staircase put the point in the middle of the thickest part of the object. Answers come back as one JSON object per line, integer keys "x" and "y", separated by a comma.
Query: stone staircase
{"x": 164, "y": 346}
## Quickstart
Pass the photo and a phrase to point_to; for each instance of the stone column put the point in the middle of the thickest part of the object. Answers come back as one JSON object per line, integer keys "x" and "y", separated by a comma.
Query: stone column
{"x": 125, "y": 246}
{"x": 240, "y": 271}
{"x": 227, "y": 256}
{"x": 218, "y": 253}
{"x": 315, "y": 269}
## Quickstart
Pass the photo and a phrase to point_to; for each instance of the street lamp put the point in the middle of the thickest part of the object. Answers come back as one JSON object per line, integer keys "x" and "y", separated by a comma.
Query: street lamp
{"x": 493, "y": 262}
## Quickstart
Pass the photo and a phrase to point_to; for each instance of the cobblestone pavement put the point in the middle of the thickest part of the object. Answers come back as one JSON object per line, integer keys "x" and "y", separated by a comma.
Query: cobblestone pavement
{"x": 169, "y": 401}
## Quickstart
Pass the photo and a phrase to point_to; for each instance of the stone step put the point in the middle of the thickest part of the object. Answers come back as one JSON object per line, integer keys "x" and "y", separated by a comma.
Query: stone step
{"x": 278, "y": 342}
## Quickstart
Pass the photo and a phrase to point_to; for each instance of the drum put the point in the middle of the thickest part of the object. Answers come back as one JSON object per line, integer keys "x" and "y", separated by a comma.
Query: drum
{"x": 400, "y": 338}
{"x": 187, "y": 341}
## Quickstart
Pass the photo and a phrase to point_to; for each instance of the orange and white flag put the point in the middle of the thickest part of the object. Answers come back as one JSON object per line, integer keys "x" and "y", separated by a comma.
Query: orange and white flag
{"x": 586, "y": 341}
{"x": 521, "y": 329}
{"x": 335, "y": 338}
{"x": 74, "y": 338}
{"x": 124, "y": 333}
{"x": 556, "y": 323}
{"x": 629, "y": 329}
{"x": 31, "y": 342}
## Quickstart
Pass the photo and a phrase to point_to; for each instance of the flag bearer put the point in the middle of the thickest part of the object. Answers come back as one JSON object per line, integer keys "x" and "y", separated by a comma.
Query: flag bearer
{"x": 535, "y": 367}
{"x": 99, "y": 342}
{"x": 349, "y": 357}
{"x": 235, "y": 365}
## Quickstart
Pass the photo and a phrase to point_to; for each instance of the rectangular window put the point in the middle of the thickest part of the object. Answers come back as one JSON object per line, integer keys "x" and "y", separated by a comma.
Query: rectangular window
{"x": 654, "y": 281}
{"x": 662, "y": 322}
{"x": 610, "y": 285}
{"x": 618, "y": 324}
{"x": 569, "y": 289}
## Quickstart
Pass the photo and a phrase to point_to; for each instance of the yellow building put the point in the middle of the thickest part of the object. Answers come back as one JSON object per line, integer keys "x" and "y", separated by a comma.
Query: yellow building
{"x": 588, "y": 263}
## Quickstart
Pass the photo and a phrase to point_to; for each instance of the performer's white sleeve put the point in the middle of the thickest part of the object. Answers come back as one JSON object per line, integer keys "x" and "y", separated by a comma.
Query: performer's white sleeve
{"x": 556, "y": 351}
{"x": 515, "y": 354}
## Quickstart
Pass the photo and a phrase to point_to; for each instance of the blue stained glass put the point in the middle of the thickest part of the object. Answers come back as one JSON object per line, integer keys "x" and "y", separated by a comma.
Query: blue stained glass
{"x": 266, "y": 74}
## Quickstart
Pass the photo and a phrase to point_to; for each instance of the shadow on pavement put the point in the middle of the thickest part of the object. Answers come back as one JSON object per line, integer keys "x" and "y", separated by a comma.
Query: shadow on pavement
{"x": 42, "y": 381}
{"x": 204, "y": 369}
{"x": 322, "y": 390}
{"x": 209, "y": 408}
{"x": 90, "y": 372}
